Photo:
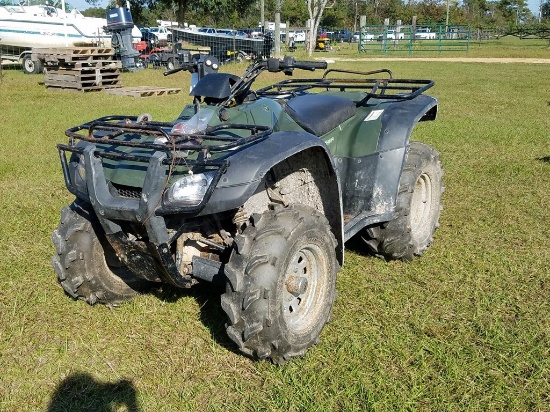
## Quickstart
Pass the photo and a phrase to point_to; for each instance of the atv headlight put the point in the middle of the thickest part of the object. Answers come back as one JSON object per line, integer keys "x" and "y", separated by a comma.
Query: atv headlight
{"x": 77, "y": 172}
{"x": 189, "y": 190}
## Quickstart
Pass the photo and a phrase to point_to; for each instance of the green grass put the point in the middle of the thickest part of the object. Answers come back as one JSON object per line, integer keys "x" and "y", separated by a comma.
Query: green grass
{"x": 465, "y": 327}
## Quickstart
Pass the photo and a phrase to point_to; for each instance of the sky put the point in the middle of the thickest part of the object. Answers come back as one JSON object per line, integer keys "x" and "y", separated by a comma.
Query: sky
{"x": 533, "y": 5}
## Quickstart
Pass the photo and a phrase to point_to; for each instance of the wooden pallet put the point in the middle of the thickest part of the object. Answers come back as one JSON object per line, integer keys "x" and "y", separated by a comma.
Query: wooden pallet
{"x": 144, "y": 91}
{"x": 83, "y": 79}
{"x": 71, "y": 55}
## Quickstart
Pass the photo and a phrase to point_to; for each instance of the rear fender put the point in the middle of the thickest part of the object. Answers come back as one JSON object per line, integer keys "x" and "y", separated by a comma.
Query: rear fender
{"x": 372, "y": 182}
{"x": 398, "y": 122}
{"x": 399, "y": 119}
{"x": 288, "y": 167}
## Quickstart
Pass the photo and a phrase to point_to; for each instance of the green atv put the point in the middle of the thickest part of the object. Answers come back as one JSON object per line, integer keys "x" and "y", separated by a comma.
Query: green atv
{"x": 257, "y": 190}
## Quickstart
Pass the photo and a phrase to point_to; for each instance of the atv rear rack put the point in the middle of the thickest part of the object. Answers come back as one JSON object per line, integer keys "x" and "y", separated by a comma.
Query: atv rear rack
{"x": 374, "y": 87}
{"x": 127, "y": 131}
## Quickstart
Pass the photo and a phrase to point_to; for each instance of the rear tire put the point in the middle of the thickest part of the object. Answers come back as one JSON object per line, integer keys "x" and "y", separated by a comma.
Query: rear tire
{"x": 281, "y": 283}
{"x": 418, "y": 208}
{"x": 86, "y": 265}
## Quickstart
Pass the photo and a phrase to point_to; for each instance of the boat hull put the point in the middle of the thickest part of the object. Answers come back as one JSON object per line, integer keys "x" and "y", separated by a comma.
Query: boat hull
{"x": 223, "y": 45}
{"x": 45, "y": 26}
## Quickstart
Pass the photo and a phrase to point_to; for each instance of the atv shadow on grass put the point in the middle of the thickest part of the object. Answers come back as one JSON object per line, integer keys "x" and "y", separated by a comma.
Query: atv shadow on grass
{"x": 80, "y": 391}
{"x": 211, "y": 313}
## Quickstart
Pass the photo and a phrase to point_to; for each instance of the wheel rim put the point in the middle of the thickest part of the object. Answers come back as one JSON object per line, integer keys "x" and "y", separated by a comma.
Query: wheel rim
{"x": 303, "y": 286}
{"x": 29, "y": 65}
{"x": 421, "y": 205}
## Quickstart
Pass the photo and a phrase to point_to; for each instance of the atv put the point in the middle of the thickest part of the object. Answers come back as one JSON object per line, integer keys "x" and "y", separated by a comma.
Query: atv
{"x": 256, "y": 190}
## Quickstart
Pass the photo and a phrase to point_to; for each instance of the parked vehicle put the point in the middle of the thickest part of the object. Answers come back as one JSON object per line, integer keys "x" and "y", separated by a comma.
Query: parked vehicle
{"x": 299, "y": 36}
{"x": 258, "y": 191}
{"x": 150, "y": 38}
{"x": 364, "y": 36}
{"x": 341, "y": 36}
{"x": 207, "y": 30}
{"x": 425, "y": 33}
{"x": 171, "y": 58}
{"x": 391, "y": 35}
{"x": 161, "y": 33}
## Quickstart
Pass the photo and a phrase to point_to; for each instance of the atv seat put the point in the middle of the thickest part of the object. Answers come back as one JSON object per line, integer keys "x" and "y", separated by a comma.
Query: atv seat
{"x": 320, "y": 113}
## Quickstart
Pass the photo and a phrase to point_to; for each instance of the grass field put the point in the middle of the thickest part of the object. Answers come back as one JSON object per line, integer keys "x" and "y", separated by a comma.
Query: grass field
{"x": 464, "y": 328}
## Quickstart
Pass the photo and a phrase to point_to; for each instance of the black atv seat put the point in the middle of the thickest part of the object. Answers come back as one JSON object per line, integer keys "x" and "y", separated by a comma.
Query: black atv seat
{"x": 320, "y": 113}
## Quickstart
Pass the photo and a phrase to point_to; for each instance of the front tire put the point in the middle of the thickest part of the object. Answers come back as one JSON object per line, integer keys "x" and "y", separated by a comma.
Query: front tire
{"x": 281, "y": 283}
{"x": 418, "y": 208}
{"x": 86, "y": 265}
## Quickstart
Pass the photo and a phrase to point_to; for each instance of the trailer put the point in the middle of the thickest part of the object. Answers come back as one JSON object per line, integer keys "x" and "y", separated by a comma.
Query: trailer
{"x": 21, "y": 56}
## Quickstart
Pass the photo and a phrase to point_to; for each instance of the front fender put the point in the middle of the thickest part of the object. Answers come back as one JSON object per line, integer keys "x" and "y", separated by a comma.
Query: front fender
{"x": 248, "y": 166}
{"x": 246, "y": 175}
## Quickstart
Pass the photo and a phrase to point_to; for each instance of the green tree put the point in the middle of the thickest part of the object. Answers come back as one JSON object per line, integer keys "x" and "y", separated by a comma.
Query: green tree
{"x": 315, "y": 9}
{"x": 295, "y": 12}
{"x": 95, "y": 12}
{"x": 513, "y": 11}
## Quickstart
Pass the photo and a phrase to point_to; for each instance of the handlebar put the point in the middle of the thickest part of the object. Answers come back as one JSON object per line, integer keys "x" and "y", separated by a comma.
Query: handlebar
{"x": 310, "y": 65}
{"x": 289, "y": 63}
{"x": 179, "y": 69}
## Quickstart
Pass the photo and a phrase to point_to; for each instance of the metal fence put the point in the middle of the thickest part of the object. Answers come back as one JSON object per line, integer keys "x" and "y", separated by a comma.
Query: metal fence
{"x": 408, "y": 39}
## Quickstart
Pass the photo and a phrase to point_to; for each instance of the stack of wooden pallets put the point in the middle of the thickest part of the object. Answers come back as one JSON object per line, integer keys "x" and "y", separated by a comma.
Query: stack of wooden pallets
{"x": 79, "y": 68}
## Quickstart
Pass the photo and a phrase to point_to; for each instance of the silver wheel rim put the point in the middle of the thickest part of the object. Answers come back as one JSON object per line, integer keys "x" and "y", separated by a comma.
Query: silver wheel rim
{"x": 421, "y": 205}
{"x": 29, "y": 65}
{"x": 304, "y": 283}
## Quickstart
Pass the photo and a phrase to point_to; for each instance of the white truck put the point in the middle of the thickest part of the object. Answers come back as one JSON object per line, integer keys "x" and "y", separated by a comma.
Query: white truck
{"x": 425, "y": 33}
{"x": 391, "y": 35}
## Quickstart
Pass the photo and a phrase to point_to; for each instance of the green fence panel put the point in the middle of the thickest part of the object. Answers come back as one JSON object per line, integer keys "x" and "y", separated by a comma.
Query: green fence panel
{"x": 408, "y": 39}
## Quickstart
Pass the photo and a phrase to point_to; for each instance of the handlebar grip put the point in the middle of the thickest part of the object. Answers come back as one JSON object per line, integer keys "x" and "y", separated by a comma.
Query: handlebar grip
{"x": 169, "y": 72}
{"x": 312, "y": 65}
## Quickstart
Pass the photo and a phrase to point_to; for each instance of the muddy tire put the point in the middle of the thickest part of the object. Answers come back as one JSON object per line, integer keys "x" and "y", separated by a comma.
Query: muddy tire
{"x": 86, "y": 265}
{"x": 418, "y": 208}
{"x": 281, "y": 283}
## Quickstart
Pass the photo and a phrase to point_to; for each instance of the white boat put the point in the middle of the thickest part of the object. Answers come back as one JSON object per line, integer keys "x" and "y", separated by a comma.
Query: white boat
{"x": 25, "y": 27}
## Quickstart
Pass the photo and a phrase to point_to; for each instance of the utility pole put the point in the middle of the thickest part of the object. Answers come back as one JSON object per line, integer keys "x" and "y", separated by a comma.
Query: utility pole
{"x": 262, "y": 14}
{"x": 447, "y": 19}
{"x": 278, "y": 29}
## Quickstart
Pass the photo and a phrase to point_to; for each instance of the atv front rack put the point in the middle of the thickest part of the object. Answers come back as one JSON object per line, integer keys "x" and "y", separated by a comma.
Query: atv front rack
{"x": 128, "y": 131}
{"x": 373, "y": 87}
{"x": 124, "y": 138}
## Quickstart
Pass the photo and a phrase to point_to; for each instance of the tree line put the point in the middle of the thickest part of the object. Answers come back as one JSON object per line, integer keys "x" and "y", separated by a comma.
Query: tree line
{"x": 337, "y": 14}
